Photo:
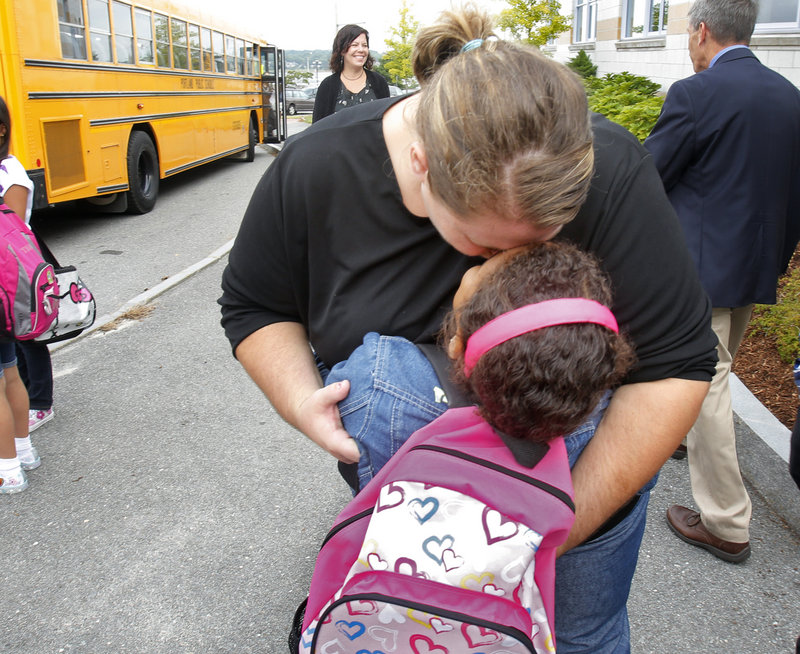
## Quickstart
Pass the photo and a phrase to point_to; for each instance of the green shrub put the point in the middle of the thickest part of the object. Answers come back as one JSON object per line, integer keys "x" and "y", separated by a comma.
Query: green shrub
{"x": 627, "y": 99}
{"x": 781, "y": 321}
{"x": 582, "y": 64}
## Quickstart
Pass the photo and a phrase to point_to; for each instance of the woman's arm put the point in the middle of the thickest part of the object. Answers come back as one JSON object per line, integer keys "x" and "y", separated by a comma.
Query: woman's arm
{"x": 641, "y": 428}
{"x": 279, "y": 360}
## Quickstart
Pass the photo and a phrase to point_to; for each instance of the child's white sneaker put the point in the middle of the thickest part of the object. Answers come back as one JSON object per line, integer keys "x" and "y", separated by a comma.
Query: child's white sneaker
{"x": 37, "y": 417}
{"x": 30, "y": 459}
{"x": 13, "y": 482}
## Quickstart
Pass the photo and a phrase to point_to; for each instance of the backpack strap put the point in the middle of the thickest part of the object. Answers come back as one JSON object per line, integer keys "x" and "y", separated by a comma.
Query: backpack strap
{"x": 441, "y": 365}
{"x": 526, "y": 453}
{"x": 47, "y": 254}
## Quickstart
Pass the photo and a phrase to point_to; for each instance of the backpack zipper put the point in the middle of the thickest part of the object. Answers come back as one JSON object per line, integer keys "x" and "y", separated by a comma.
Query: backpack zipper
{"x": 438, "y": 611}
{"x": 549, "y": 488}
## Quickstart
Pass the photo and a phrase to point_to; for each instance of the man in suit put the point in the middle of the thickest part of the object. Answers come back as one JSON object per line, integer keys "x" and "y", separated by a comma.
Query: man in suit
{"x": 727, "y": 145}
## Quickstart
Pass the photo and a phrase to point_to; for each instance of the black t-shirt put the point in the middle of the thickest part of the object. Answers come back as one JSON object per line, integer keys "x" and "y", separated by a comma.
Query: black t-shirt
{"x": 327, "y": 242}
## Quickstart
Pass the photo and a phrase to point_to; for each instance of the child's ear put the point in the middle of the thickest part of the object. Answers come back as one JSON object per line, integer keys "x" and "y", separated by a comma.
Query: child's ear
{"x": 455, "y": 347}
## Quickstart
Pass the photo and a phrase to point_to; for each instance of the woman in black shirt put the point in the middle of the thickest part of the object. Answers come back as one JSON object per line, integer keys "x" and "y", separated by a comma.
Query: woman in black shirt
{"x": 353, "y": 81}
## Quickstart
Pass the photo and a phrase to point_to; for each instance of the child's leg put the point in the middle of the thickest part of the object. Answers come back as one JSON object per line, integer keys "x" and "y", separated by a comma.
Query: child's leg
{"x": 12, "y": 478}
{"x": 7, "y": 448}
{"x": 17, "y": 396}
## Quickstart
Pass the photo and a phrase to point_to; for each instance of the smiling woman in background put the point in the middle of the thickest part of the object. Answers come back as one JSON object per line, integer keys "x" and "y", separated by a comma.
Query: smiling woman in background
{"x": 353, "y": 80}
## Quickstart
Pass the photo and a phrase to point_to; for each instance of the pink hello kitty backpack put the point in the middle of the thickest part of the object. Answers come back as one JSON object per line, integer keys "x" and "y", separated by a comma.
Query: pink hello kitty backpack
{"x": 28, "y": 286}
{"x": 450, "y": 549}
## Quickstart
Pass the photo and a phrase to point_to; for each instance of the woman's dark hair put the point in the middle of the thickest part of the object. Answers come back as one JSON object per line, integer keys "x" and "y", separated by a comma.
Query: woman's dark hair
{"x": 545, "y": 383}
{"x": 5, "y": 119}
{"x": 344, "y": 37}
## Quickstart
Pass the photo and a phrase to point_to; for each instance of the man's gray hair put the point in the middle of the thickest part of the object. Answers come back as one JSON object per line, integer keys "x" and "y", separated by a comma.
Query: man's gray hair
{"x": 729, "y": 21}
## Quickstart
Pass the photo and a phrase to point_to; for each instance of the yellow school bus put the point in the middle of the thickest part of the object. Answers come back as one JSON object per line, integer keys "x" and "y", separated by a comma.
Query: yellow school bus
{"x": 107, "y": 97}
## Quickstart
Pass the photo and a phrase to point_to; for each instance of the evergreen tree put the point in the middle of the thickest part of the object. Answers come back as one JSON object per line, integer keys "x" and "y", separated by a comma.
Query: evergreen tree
{"x": 582, "y": 64}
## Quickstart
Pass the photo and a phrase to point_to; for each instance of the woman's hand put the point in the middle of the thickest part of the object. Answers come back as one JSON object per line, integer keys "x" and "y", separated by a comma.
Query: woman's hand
{"x": 318, "y": 418}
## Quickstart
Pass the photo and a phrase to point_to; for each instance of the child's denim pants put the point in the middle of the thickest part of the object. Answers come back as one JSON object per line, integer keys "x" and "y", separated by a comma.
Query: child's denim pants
{"x": 393, "y": 392}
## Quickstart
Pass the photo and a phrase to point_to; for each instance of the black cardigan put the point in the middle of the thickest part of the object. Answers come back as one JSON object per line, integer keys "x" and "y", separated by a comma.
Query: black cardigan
{"x": 329, "y": 89}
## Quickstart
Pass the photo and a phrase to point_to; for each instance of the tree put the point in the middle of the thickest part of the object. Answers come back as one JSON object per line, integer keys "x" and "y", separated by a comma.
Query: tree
{"x": 396, "y": 60}
{"x": 298, "y": 77}
{"x": 582, "y": 64}
{"x": 534, "y": 21}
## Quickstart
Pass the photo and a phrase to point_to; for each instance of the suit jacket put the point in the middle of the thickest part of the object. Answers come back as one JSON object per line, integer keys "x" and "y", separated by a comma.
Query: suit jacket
{"x": 727, "y": 146}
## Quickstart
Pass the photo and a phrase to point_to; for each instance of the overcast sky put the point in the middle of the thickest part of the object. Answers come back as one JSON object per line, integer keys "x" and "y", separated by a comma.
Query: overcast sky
{"x": 312, "y": 24}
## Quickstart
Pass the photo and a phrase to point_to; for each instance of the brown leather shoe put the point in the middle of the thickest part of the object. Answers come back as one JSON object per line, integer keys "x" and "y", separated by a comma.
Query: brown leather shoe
{"x": 680, "y": 452}
{"x": 687, "y": 526}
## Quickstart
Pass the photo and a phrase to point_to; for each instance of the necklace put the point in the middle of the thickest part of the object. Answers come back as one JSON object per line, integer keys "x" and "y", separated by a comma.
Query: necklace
{"x": 353, "y": 79}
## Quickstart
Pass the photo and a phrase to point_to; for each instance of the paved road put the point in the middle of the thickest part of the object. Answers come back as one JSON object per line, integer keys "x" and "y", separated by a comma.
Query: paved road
{"x": 175, "y": 512}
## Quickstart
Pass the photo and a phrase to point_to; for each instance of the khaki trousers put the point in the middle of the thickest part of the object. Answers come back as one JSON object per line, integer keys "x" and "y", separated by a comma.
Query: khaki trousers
{"x": 717, "y": 484}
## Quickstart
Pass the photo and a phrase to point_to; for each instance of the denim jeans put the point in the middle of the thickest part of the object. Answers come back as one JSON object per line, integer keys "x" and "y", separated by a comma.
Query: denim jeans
{"x": 393, "y": 392}
{"x": 36, "y": 370}
{"x": 593, "y": 580}
{"x": 8, "y": 356}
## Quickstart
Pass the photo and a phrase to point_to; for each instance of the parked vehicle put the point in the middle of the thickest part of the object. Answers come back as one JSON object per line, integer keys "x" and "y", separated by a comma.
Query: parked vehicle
{"x": 300, "y": 101}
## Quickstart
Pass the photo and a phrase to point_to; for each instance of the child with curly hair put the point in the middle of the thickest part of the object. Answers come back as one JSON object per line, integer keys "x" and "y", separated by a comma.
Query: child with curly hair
{"x": 531, "y": 343}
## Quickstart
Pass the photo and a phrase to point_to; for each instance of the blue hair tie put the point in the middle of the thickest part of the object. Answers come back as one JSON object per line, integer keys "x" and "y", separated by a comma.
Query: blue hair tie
{"x": 471, "y": 45}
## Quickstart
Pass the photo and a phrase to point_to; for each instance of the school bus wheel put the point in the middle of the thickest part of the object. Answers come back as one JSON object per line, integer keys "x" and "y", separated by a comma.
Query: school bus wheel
{"x": 142, "y": 173}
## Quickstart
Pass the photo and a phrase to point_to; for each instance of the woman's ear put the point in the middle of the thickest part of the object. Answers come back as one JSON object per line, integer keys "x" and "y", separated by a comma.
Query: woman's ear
{"x": 419, "y": 161}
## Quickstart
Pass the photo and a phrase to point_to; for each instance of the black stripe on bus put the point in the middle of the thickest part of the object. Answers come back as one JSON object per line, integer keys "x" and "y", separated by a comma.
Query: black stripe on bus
{"x": 176, "y": 114}
{"x": 179, "y": 169}
{"x": 44, "y": 63}
{"x": 130, "y": 94}
{"x": 108, "y": 189}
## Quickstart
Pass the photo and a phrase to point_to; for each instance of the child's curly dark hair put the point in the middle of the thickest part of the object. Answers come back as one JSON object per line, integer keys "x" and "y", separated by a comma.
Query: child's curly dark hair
{"x": 544, "y": 383}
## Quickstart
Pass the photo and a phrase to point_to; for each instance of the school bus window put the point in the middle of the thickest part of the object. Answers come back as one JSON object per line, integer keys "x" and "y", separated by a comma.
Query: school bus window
{"x": 180, "y": 48}
{"x": 240, "y": 56}
{"x": 123, "y": 33}
{"x": 219, "y": 53}
{"x": 161, "y": 23}
{"x": 205, "y": 43}
{"x": 230, "y": 54}
{"x": 144, "y": 36}
{"x": 194, "y": 46}
{"x": 100, "y": 30}
{"x": 71, "y": 27}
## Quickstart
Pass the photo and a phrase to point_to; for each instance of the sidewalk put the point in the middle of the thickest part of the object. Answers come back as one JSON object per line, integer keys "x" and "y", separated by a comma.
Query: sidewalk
{"x": 175, "y": 512}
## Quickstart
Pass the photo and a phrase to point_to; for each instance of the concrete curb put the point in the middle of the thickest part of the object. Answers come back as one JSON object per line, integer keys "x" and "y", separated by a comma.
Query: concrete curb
{"x": 148, "y": 295}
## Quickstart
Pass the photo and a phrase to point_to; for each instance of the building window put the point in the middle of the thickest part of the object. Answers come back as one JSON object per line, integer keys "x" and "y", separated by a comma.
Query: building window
{"x": 585, "y": 21}
{"x": 71, "y": 27}
{"x": 645, "y": 17}
{"x": 778, "y": 15}
{"x": 123, "y": 33}
{"x": 144, "y": 36}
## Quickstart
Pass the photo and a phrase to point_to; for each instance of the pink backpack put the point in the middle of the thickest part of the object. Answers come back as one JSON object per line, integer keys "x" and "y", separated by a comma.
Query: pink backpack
{"x": 450, "y": 548}
{"x": 28, "y": 286}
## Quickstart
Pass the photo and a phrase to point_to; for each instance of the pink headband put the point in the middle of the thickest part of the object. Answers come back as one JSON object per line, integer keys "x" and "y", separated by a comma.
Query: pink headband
{"x": 531, "y": 317}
